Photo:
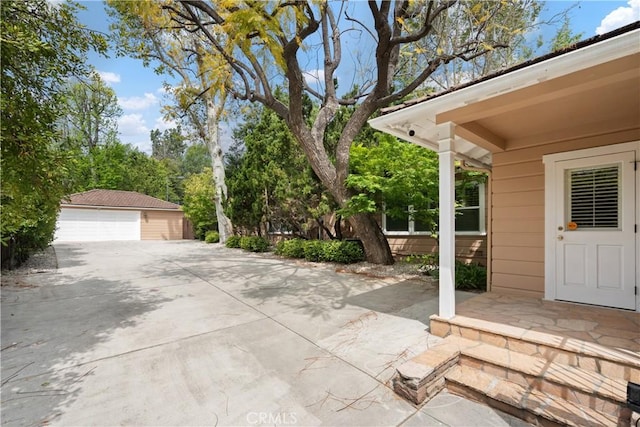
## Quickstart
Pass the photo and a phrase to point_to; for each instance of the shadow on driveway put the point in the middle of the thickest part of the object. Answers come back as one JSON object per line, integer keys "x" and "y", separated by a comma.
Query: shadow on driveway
{"x": 49, "y": 327}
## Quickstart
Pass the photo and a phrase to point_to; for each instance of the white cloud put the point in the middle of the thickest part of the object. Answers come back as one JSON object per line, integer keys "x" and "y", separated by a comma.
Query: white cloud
{"x": 163, "y": 124}
{"x": 108, "y": 77}
{"x": 314, "y": 77}
{"x": 132, "y": 125}
{"x": 620, "y": 17}
{"x": 138, "y": 102}
{"x": 134, "y": 131}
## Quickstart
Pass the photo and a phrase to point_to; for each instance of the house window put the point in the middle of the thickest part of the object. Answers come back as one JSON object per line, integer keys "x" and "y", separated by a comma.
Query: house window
{"x": 470, "y": 214}
{"x": 470, "y": 209}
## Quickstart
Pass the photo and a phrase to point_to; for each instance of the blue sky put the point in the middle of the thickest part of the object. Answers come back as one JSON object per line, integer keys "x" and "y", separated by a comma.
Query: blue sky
{"x": 139, "y": 89}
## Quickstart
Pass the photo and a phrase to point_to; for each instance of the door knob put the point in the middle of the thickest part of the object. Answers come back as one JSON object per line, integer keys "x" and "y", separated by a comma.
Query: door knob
{"x": 560, "y": 237}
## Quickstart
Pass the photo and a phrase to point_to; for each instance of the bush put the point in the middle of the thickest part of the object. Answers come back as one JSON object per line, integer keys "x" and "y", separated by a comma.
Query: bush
{"x": 212, "y": 237}
{"x": 342, "y": 252}
{"x": 469, "y": 277}
{"x": 233, "y": 242}
{"x": 472, "y": 277}
{"x": 254, "y": 243}
{"x": 293, "y": 248}
{"x": 314, "y": 250}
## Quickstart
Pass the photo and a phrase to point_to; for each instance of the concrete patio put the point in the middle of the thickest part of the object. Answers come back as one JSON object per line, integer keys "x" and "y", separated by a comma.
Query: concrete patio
{"x": 183, "y": 333}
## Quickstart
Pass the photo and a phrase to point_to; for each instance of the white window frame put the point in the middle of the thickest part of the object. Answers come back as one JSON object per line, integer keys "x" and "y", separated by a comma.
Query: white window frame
{"x": 411, "y": 226}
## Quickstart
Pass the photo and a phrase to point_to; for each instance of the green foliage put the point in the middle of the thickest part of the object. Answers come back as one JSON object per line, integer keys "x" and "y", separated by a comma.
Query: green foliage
{"x": 233, "y": 242}
{"x": 396, "y": 173}
{"x": 199, "y": 206}
{"x": 41, "y": 46}
{"x": 270, "y": 181}
{"x": 565, "y": 37}
{"x": 314, "y": 250}
{"x": 118, "y": 166}
{"x": 169, "y": 144}
{"x": 196, "y": 159}
{"x": 212, "y": 236}
{"x": 254, "y": 243}
{"x": 469, "y": 277}
{"x": 340, "y": 251}
{"x": 92, "y": 112}
{"x": 343, "y": 252}
{"x": 292, "y": 248}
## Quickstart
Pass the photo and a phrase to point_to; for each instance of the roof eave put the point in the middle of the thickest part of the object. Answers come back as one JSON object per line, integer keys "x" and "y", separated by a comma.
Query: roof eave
{"x": 401, "y": 122}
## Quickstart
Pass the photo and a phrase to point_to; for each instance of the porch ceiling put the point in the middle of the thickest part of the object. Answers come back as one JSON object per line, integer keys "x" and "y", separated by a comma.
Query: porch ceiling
{"x": 586, "y": 92}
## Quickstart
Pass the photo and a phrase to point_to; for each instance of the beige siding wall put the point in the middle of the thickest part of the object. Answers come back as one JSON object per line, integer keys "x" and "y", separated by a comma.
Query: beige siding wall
{"x": 468, "y": 248}
{"x": 161, "y": 225}
{"x": 518, "y": 211}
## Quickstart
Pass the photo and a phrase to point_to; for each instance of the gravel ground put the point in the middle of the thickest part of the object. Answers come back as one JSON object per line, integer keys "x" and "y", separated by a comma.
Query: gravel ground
{"x": 44, "y": 261}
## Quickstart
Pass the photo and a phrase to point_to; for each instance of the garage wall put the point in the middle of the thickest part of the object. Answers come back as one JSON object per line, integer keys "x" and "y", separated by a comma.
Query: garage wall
{"x": 161, "y": 225}
{"x": 518, "y": 246}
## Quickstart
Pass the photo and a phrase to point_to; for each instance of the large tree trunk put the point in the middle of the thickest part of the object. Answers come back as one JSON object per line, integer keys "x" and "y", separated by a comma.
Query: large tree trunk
{"x": 225, "y": 228}
{"x": 375, "y": 243}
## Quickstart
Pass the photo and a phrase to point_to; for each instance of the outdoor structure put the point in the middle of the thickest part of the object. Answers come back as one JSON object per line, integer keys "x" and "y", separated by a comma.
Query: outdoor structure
{"x": 559, "y": 137}
{"x": 98, "y": 215}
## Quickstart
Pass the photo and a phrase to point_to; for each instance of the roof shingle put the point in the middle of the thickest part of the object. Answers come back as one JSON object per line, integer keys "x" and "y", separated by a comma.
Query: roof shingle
{"x": 117, "y": 198}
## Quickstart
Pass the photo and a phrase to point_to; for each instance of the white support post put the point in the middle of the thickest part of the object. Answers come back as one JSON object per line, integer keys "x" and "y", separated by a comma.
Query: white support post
{"x": 446, "y": 156}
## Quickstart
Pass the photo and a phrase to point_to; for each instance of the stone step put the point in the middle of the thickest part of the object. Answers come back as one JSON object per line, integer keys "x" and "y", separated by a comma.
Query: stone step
{"x": 531, "y": 405}
{"x": 576, "y": 385}
{"x": 422, "y": 377}
{"x": 610, "y": 362}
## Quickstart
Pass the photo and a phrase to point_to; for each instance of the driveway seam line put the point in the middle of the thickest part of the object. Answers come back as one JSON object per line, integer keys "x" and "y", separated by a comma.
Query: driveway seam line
{"x": 281, "y": 324}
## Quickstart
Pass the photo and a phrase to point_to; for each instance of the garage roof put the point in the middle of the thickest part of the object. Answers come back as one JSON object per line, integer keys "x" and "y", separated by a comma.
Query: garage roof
{"x": 117, "y": 199}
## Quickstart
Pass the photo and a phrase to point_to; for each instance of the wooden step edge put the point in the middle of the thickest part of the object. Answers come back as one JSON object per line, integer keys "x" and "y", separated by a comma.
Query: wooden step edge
{"x": 528, "y": 404}
{"x": 537, "y": 369}
{"x": 571, "y": 345}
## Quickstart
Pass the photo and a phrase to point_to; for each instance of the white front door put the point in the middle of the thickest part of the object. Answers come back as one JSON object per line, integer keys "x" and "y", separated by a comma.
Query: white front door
{"x": 595, "y": 230}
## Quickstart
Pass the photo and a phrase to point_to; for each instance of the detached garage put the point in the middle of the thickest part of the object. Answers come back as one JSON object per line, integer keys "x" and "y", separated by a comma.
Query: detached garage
{"x": 99, "y": 215}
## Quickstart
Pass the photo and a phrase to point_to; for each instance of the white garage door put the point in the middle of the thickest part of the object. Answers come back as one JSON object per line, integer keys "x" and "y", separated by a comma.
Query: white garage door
{"x": 97, "y": 225}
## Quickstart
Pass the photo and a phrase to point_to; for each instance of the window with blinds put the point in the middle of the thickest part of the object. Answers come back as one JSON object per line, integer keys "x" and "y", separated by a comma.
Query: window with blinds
{"x": 594, "y": 200}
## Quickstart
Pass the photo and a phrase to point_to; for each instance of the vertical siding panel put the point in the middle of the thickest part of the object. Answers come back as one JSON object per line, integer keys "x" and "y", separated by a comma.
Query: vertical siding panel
{"x": 518, "y": 212}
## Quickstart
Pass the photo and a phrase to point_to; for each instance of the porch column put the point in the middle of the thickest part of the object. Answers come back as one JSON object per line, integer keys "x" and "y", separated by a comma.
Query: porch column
{"x": 446, "y": 229}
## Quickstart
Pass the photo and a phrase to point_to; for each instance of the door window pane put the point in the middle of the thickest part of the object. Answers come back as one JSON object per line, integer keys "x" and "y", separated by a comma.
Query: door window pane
{"x": 594, "y": 197}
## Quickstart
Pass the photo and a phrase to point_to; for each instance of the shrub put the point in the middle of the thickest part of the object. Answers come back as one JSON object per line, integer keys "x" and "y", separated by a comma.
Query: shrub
{"x": 293, "y": 248}
{"x": 469, "y": 277}
{"x": 233, "y": 242}
{"x": 342, "y": 252}
{"x": 254, "y": 243}
{"x": 314, "y": 250}
{"x": 212, "y": 237}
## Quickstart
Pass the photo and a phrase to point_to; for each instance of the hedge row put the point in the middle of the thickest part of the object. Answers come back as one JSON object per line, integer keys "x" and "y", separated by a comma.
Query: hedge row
{"x": 248, "y": 243}
{"x": 340, "y": 251}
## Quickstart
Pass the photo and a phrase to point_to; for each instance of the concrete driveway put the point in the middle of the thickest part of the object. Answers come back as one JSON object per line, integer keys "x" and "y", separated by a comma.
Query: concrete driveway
{"x": 183, "y": 333}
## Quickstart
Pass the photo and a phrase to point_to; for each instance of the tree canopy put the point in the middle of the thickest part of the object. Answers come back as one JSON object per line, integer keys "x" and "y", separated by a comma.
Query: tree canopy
{"x": 397, "y": 47}
{"x": 42, "y": 46}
